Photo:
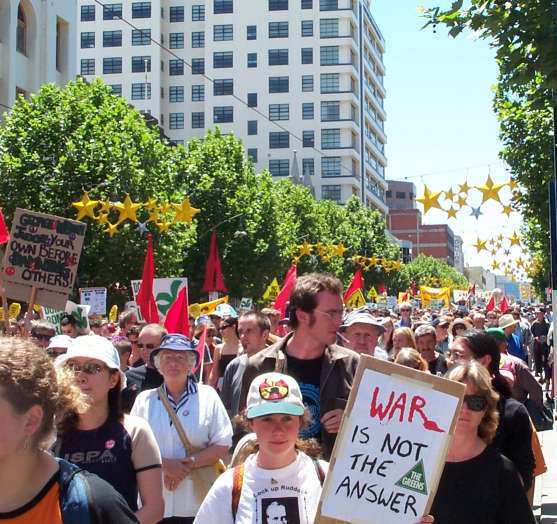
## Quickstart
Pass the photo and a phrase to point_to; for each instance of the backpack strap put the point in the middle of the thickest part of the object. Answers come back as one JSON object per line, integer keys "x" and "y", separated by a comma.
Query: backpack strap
{"x": 74, "y": 494}
{"x": 237, "y": 484}
{"x": 319, "y": 470}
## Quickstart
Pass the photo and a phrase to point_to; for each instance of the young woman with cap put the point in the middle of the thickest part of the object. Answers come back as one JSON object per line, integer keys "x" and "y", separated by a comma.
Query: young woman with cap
{"x": 119, "y": 448}
{"x": 190, "y": 424}
{"x": 35, "y": 486}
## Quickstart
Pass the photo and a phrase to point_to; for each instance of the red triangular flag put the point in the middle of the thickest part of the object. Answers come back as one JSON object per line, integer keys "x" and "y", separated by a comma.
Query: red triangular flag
{"x": 284, "y": 296}
{"x": 145, "y": 299}
{"x": 177, "y": 318}
{"x": 213, "y": 272}
{"x": 504, "y": 305}
{"x": 491, "y": 304}
{"x": 201, "y": 351}
{"x": 4, "y": 233}
{"x": 357, "y": 283}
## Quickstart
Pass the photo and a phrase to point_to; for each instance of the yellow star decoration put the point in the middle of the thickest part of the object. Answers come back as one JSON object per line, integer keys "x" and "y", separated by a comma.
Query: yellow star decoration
{"x": 507, "y": 210}
{"x": 102, "y": 218}
{"x": 85, "y": 207}
{"x": 185, "y": 211}
{"x": 295, "y": 260}
{"x": 513, "y": 184}
{"x": 165, "y": 208}
{"x": 464, "y": 188}
{"x": 490, "y": 191}
{"x": 326, "y": 258}
{"x": 493, "y": 252}
{"x": 305, "y": 249}
{"x": 127, "y": 210}
{"x": 499, "y": 245}
{"x": 429, "y": 200}
{"x": 461, "y": 201}
{"x": 154, "y": 215}
{"x": 321, "y": 249}
{"x": 111, "y": 229}
{"x": 500, "y": 238}
{"x": 449, "y": 195}
{"x": 520, "y": 262}
{"x": 151, "y": 204}
{"x": 339, "y": 250}
{"x": 451, "y": 212}
{"x": 515, "y": 240}
{"x": 495, "y": 265}
{"x": 480, "y": 245}
{"x": 163, "y": 226}
{"x": 106, "y": 205}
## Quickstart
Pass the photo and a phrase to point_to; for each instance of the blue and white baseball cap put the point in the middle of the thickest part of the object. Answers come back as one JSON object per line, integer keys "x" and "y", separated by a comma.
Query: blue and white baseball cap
{"x": 225, "y": 310}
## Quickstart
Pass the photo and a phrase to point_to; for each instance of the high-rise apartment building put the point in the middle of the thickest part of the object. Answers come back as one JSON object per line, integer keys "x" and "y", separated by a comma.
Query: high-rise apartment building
{"x": 299, "y": 81}
{"x": 37, "y": 45}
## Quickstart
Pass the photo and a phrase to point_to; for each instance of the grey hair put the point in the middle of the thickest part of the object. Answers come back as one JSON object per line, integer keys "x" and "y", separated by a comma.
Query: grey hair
{"x": 425, "y": 330}
{"x": 157, "y": 359}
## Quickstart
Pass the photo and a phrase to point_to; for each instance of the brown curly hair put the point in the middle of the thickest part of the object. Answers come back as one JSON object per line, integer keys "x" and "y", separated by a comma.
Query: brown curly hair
{"x": 28, "y": 378}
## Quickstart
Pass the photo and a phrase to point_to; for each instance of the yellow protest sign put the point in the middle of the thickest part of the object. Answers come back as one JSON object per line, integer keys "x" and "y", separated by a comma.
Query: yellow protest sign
{"x": 372, "y": 294}
{"x": 432, "y": 296}
{"x": 113, "y": 314}
{"x": 14, "y": 310}
{"x": 271, "y": 293}
{"x": 206, "y": 308}
{"x": 37, "y": 308}
{"x": 356, "y": 300}
{"x": 1, "y": 314}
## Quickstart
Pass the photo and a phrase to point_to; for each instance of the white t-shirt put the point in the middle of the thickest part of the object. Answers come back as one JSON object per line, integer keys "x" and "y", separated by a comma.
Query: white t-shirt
{"x": 276, "y": 496}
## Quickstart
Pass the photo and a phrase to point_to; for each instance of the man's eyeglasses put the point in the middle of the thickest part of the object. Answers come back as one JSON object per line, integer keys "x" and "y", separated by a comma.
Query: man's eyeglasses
{"x": 146, "y": 346}
{"x": 90, "y": 368}
{"x": 475, "y": 402}
{"x": 332, "y": 314}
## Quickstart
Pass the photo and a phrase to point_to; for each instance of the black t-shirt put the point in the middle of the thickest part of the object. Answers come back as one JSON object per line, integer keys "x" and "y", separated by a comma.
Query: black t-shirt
{"x": 540, "y": 329}
{"x": 482, "y": 490}
{"x": 308, "y": 375}
{"x": 438, "y": 366}
{"x": 139, "y": 379}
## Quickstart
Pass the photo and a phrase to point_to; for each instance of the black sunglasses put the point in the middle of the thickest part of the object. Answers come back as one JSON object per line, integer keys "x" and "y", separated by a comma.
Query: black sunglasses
{"x": 148, "y": 346}
{"x": 90, "y": 368}
{"x": 475, "y": 402}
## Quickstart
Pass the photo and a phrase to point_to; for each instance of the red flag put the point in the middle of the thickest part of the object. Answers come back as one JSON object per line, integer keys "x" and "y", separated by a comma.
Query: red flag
{"x": 504, "y": 305}
{"x": 4, "y": 233}
{"x": 177, "y": 318}
{"x": 145, "y": 299}
{"x": 357, "y": 283}
{"x": 213, "y": 272}
{"x": 491, "y": 304}
{"x": 201, "y": 351}
{"x": 287, "y": 287}
{"x": 381, "y": 289}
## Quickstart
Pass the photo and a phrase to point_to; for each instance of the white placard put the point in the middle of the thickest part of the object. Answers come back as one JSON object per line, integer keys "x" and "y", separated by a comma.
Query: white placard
{"x": 94, "y": 297}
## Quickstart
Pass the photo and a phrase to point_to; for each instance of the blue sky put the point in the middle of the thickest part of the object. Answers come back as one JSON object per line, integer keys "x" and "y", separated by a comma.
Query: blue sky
{"x": 440, "y": 118}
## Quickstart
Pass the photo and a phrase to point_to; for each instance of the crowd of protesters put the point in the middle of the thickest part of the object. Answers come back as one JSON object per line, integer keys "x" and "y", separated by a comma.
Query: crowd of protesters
{"x": 147, "y": 422}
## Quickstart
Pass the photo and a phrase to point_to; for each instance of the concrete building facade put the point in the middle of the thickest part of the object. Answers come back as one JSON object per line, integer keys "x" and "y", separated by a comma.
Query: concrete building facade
{"x": 37, "y": 46}
{"x": 299, "y": 81}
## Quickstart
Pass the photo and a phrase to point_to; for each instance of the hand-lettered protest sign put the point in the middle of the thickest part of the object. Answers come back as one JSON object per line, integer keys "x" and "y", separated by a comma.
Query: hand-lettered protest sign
{"x": 94, "y": 297}
{"x": 43, "y": 253}
{"x": 390, "y": 451}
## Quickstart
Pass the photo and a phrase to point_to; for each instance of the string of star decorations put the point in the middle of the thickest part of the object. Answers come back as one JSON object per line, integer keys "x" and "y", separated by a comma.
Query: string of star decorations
{"x": 163, "y": 215}
{"x": 329, "y": 251}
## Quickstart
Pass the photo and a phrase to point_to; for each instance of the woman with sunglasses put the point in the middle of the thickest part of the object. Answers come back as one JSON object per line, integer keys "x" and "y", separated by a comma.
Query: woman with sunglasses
{"x": 478, "y": 484}
{"x": 119, "y": 448}
{"x": 225, "y": 352}
{"x": 34, "y": 486}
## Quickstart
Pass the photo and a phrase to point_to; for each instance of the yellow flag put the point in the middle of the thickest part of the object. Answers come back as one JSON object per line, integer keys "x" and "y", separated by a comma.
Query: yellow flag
{"x": 14, "y": 310}
{"x": 37, "y": 308}
{"x": 372, "y": 293}
{"x": 356, "y": 300}
{"x": 113, "y": 315}
{"x": 271, "y": 293}
{"x": 1, "y": 314}
{"x": 207, "y": 307}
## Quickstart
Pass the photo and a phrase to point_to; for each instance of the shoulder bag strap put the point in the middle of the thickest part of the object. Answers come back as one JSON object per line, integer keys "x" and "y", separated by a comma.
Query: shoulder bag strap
{"x": 318, "y": 470}
{"x": 237, "y": 484}
{"x": 175, "y": 420}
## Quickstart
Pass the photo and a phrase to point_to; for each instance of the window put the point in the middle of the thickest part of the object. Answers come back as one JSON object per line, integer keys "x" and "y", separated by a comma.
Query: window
{"x": 330, "y": 82}
{"x": 175, "y": 67}
{"x": 176, "y": 94}
{"x": 198, "y": 120}
{"x": 330, "y": 192}
{"x": 330, "y": 111}
{"x": 307, "y": 27}
{"x": 222, "y": 59}
{"x": 278, "y": 29}
{"x": 279, "y": 111}
{"x": 112, "y": 38}
{"x": 279, "y": 139}
{"x": 252, "y": 59}
{"x": 252, "y": 155}
{"x": 176, "y": 120}
{"x": 278, "y": 57}
{"x": 141, "y": 10}
{"x": 176, "y": 40}
{"x": 330, "y": 166}
{"x": 87, "y": 13}
{"x": 116, "y": 89}
{"x": 112, "y": 65}
{"x": 141, "y": 36}
{"x": 197, "y": 93}
{"x": 198, "y": 13}
{"x": 177, "y": 13}
{"x": 112, "y": 11}
{"x": 307, "y": 111}
{"x": 223, "y": 87}
{"x": 278, "y": 5}
{"x": 87, "y": 40}
{"x": 222, "y": 6}
{"x": 252, "y": 127}
{"x": 222, "y": 32}
{"x": 329, "y": 54}
{"x": 252, "y": 99}
{"x": 308, "y": 138}
{"x": 279, "y": 167}
{"x": 278, "y": 84}
{"x": 328, "y": 5}
{"x": 330, "y": 138}
{"x": 307, "y": 83}
{"x": 141, "y": 91}
{"x": 308, "y": 166}
{"x": 307, "y": 55}
{"x": 251, "y": 31}
{"x": 87, "y": 66}
{"x": 141, "y": 64}
{"x": 223, "y": 114}
{"x": 197, "y": 66}
{"x": 198, "y": 39}
{"x": 307, "y": 4}
{"x": 328, "y": 27}
{"x": 400, "y": 195}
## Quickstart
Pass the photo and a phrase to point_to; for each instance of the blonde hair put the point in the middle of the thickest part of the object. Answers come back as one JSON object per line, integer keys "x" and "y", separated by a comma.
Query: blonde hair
{"x": 477, "y": 376}
{"x": 28, "y": 378}
{"x": 408, "y": 334}
{"x": 411, "y": 358}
